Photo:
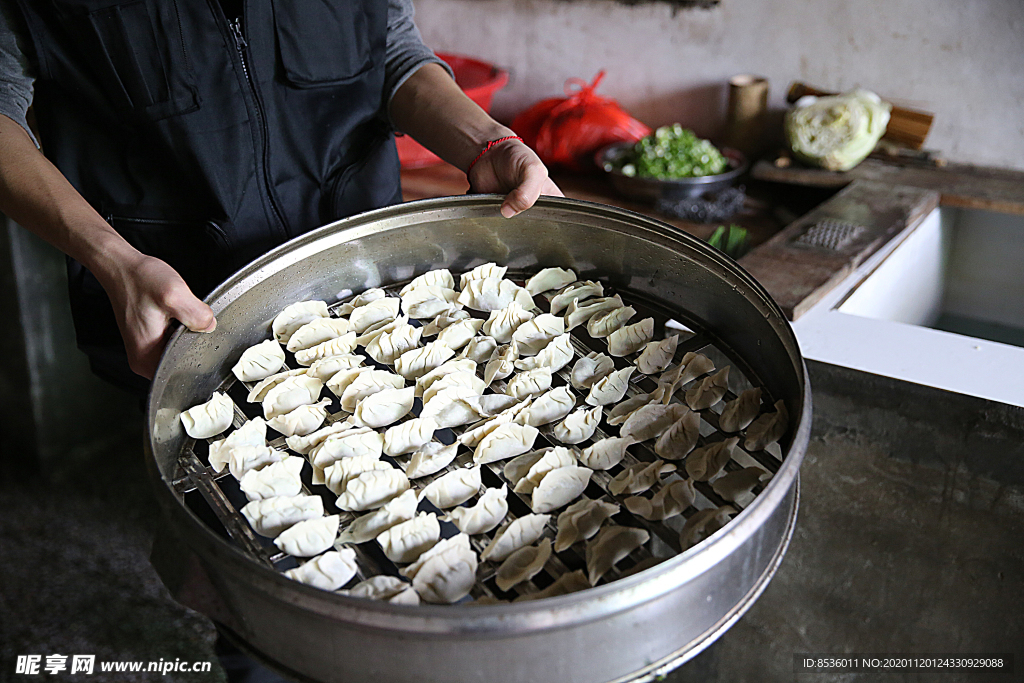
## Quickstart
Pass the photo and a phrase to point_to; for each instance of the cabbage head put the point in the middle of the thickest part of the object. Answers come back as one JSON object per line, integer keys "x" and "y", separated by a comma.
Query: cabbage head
{"x": 836, "y": 132}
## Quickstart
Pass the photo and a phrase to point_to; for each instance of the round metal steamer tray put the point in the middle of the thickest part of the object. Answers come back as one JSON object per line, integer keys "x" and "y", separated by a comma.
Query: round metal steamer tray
{"x": 631, "y": 629}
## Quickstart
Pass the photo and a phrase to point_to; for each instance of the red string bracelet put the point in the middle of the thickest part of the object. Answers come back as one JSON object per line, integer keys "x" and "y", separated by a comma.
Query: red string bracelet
{"x": 487, "y": 149}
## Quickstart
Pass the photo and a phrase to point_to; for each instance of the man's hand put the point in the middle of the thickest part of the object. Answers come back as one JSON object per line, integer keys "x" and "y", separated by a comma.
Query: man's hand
{"x": 513, "y": 169}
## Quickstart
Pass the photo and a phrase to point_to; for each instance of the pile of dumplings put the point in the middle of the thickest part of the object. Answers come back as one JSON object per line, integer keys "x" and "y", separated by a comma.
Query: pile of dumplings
{"x": 479, "y": 358}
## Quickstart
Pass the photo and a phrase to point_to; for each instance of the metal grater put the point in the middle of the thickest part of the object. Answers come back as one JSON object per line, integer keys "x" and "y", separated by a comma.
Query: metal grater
{"x": 830, "y": 234}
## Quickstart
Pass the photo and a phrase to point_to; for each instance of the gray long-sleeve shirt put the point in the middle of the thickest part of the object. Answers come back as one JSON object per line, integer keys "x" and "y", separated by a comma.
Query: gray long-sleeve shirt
{"x": 404, "y": 54}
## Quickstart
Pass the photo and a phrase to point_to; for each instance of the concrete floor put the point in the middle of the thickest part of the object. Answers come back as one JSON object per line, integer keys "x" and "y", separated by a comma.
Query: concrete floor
{"x": 889, "y": 555}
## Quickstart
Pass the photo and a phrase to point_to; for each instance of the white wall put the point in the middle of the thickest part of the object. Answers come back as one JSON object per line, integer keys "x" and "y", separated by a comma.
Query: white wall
{"x": 962, "y": 60}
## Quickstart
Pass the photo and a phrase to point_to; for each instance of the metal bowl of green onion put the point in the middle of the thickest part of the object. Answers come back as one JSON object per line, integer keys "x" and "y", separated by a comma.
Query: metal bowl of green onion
{"x": 671, "y": 163}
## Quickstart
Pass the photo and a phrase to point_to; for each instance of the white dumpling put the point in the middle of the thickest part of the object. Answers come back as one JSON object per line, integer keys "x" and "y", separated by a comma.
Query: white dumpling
{"x": 692, "y": 366}
{"x": 443, "y": 370}
{"x": 316, "y": 332}
{"x": 581, "y": 521}
{"x": 328, "y": 572}
{"x": 550, "y": 278}
{"x": 340, "y": 473}
{"x": 367, "y": 384}
{"x": 479, "y": 349}
{"x": 652, "y": 420}
{"x": 520, "y": 532}
{"x": 295, "y": 316}
{"x": 554, "y": 356}
{"x": 577, "y": 427}
{"x": 349, "y": 443}
{"x": 277, "y": 479}
{"x": 453, "y": 488}
{"x": 578, "y": 290}
{"x": 301, "y": 421}
{"x": 444, "y": 320}
{"x": 400, "y": 509}
{"x": 210, "y": 418}
{"x": 527, "y": 471}
{"x": 578, "y": 313}
{"x": 670, "y": 501}
{"x": 639, "y": 477}
{"x": 304, "y": 444}
{"x": 621, "y": 411}
{"x": 326, "y": 368}
{"x": 388, "y": 346}
{"x": 341, "y": 380}
{"x": 308, "y": 538}
{"x": 680, "y": 438}
{"x": 505, "y": 441}
{"x": 242, "y": 459}
{"x": 570, "y": 582}
{"x": 523, "y": 564}
{"x": 259, "y": 392}
{"x": 440, "y": 277}
{"x": 409, "y": 435}
{"x": 368, "y": 296}
{"x": 384, "y": 407}
{"x": 289, "y": 394}
{"x": 486, "y": 270}
{"x": 457, "y": 335}
{"x": 530, "y": 383}
{"x": 610, "y": 388}
{"x": 591, "y": 368}
{"x": 338, "y": 346}
{"x": 454, "y": 379}
{"x": 501, "y": 363}
{"x": 490, "y": 294}
{"x": 259, "y": 361}
{"x": 548, "y": 407}
{"x": 377, "y": 329}
{"x": 475, "y": 433}
{"x": 703, "y": 524}
{"x": 736, "y": 486}
{"x": 502, "y": 323}
{"x": 560, "y": 487}
{"x": 657, "y": 355}
{"x": 490, "y": 405}
{"x": 606, "y": 453}
{"x": 427, "y": 302}
{"x": 417, "y": 362}
{"x": 452, "y": 406}
{"x": 631, "y": 338}
{"x": 485, "y": 515}
{"x": 372, "y": 489}
{"x": 430, "y": 459}
{"x": 741, "y": 411}
{"x": 708, "y": 391}
{"x": 611, "y": 544}
{"x": 534, "y": 335}
{"x": 252, "y": 433}
{"x": 445, "y": 573}
{"x": 705, "y": 463}
{"x": 603, "y": 324}
{"x": 374, "y": 312}
{"x": 386, "y": 589}
{"x": 270, "y": 516}
{"x": 406, "y": 541}
{"x": 768, "y": 428}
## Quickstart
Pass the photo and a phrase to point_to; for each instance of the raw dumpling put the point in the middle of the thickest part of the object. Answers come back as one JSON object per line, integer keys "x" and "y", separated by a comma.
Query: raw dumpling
{"x": 316, "y": 332}
{"x": 652, "y": 420}
{"x": 259, "y": 361}
{"x": 457, "y": 335}
{"x": 680, "y": 438}
{"x": 657, "y": 355}
{"x": 490, "y": 294}
{"x": 578, "y": 290}
{"x": 560, "y": 487}
{"x": 621, "y": 412}
{"x": 704, "y": 463}
{"x": 741, "y": 411}
{"x": 578, "y": 426}
{"x": 277, "y": 479}
{"x": 252, "y": 433}
{"x": 523, "y": 564}
{"x": 384, "y": 407}
{"x": 702, "y": 524}
{"x": 588, "y": 370}
{"x": 304, "y": 444}
{"x": 603, "y": 324}
{"x": 295, "y": 316}
{"x": 431, "y": 458}
{"x": 374, "y": 312}
{"x": 609, "y": 546}
{"x": 210, "y": 418}
{"x": 549, "y": 278}
{"x": 289, "y": 394}
{"x": 670, "y": 501}
{"x": 385, "y": 588}
{"x": 340, "y": 473}
{"x": 326, "y": 368}
{"x": 341, "y": 380}
{"x": 578, "y": 313}
{"x": 444, "y": 320}
{"x": 534, "y": 335}
{"x": 581, "y": 520}
{"x": 260, "y": 391}
{"x": 527, "y": 471}
{"x": 454, "y": 379}
{"x": 506, "y": 441}
{"x": 406, "y": 541}
{"x": 444, "y": 369}
{"x": 415, "y": 363}
{"x": 708, "y": 392}
{"x": 768, "y": 428}
{"x": 372, "y": 489}
{"x": 548, "y": 407}
{"x": 427, "y": 302}
{"x": 690, "y": 368}
{"x": 386, "y": 347}
{"x": 350, "y": 443}
{"x": 241, "y": 459}
{"x": 475, "y": 434}
{"x": 328, "y": 572}
{"x": 529, "y": 383}
{"x": 308, "y": 538}
{"x": 639, "y": 477}
{"x": 479, "y": 349}
{"x": 366, "y": 297}
{"x": 445, "y": 573}
{"x": 502, "y": 323}
{"x": 631, "y": 338}
{"x": 441, "y": 277}
{"x": 453, "y": 488}
{"x": 520, "y": 532}
{"x": 487, "y": 270}
{"x": 408, "y": 436}
{"x": 377, "y": 329}
{"x": 610, "y": 388}
{"x": 370, "y": 526}
{"x": 606, "y": 453}
{"x": 270, "y": 516}
{"x": 365, "y": 384}
{"x": 736, "y": 486}
{"x": 338, "y": 346}
{"x": 571, "y": 582}
{"x": 555, "y": 356}
{"x": 451, "y": 406}
{"x": 301, "y": 421}
{"x": 485, "y": 515}
{"x": 501, "y": 363}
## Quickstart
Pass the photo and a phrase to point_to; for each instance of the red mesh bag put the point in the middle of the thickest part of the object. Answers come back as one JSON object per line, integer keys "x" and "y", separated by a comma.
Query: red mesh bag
{"x": 567, "y": 131}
